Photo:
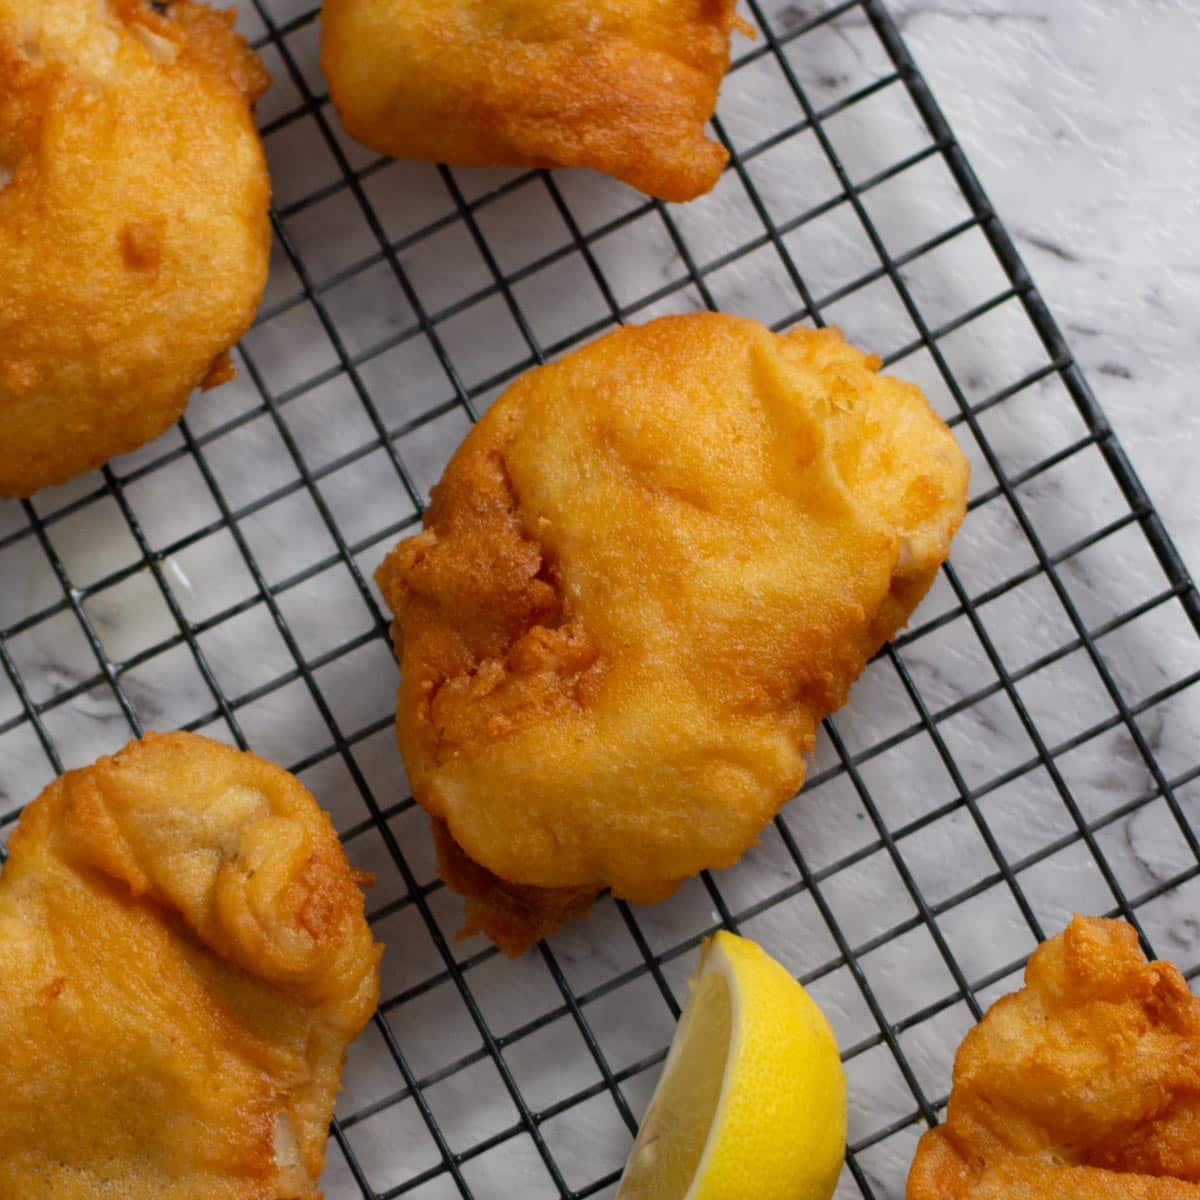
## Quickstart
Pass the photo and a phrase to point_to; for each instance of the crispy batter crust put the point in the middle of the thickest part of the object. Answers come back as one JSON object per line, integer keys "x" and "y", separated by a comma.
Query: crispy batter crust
{"x": 185, "y": 961}
{"x": 513, "y": 915}
{"x": 623, "y": 86}
{"x": 644, "y": 578}
{"x": 1085, "y": 1084}
{"x": 133, "y": 231}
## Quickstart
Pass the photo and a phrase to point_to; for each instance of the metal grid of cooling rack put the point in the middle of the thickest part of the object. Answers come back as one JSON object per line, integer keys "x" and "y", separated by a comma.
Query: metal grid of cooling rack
{"x": 1022, "y": 750}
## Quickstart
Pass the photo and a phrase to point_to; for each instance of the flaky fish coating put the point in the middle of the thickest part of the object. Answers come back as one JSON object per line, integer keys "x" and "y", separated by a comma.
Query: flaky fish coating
{"x": 183, "y": 960}
{"x": 513, "y": 915}
{"x": 645, "y": 577}
{"x": 1085, "y": 1084}
{"x": 623, "y": 86}
{"x": 133, "y": 226}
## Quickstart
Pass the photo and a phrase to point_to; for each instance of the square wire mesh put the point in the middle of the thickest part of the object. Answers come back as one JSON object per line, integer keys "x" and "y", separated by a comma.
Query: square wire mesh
{"x": 1025, "y": 748}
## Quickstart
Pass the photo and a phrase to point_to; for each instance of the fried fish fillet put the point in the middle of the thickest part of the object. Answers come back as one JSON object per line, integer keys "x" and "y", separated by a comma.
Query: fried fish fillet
{"x": 624, "y": 86}
{"x": 1085, "y": 1084}
{"x": 644, "y": 579}
{"x": 133, "y": 224}
{"x": 183, "y": 960}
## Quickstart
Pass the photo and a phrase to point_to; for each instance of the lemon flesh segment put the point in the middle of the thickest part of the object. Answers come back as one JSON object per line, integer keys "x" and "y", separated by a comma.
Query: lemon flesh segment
{"x": 674, "y": 1133}
{"x": 752, "y": 1099}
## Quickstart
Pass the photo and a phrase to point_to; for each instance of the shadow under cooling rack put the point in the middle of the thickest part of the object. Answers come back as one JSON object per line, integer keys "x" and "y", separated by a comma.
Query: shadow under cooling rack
{"x": 1026, "y": 747}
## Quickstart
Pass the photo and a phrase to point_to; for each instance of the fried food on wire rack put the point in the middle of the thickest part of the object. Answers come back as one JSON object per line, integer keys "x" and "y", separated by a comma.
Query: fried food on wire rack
{"x": 133, "y": 224}
{"x": 1083, "y": 1085}
{"x": 623, "y": 86}
{"x": 183, "y": 960}
{"x": 645, "y": 577}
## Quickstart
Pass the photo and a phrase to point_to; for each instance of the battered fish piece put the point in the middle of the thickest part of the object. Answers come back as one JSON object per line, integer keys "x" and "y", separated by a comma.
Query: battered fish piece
{"x": 624, "y": 86}
{"x": 133, "y": 224}
{"x": 185, "y": 959}
{"x": 644, "y": 579}
{"x": 1085, "y": 1084}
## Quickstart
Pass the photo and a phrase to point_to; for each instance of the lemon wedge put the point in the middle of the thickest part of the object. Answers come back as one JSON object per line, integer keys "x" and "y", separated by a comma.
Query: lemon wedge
{"x": 752, "y": 1099}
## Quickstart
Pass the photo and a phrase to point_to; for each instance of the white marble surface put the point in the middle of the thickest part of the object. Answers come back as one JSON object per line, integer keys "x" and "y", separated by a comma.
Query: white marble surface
{"x": 1082, "y": 120}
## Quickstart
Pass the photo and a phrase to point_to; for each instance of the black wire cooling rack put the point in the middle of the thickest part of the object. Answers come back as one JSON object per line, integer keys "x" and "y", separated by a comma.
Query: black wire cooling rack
{"x": 1025, "y": 748}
